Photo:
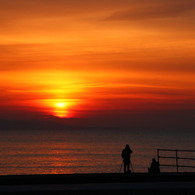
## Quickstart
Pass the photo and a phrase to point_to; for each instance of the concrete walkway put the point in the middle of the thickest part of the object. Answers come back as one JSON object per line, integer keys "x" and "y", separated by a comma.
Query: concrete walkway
{"x": 99, "y": 184}
{"x": 103, "y": 188}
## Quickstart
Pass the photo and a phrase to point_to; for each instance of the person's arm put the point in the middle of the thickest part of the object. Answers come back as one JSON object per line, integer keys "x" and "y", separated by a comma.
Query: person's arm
{"x": 122, "y": 154}
{"x": 131, "y": 151}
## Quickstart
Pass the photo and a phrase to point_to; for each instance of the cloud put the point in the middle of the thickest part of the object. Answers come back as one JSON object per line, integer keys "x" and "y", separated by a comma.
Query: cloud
{"x": 153, "y": 10}
{"x": 44, "y": 8}
{"x": 53, "y": 57}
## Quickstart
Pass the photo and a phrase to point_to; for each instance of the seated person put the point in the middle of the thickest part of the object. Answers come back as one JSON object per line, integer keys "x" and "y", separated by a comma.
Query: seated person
{"x": 154, "y": 167}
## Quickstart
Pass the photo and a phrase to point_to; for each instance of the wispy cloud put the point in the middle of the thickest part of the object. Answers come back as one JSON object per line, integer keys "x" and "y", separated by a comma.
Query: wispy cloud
{"x": 153, "y": 10}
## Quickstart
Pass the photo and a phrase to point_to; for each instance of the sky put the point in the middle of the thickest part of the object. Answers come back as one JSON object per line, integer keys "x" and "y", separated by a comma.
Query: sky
{"x": 100, "y": 58}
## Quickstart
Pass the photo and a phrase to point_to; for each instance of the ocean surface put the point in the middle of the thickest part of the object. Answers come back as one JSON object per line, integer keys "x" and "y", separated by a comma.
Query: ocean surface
{"x": 89, "y": 151}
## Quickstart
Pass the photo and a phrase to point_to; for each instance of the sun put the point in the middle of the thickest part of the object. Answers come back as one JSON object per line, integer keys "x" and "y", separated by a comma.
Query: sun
{"x": 60, "y": 104}
{"x": 62, "y": 108}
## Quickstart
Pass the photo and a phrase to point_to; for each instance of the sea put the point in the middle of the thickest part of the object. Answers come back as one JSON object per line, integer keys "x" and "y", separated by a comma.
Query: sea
{"x": 77, "y": 151}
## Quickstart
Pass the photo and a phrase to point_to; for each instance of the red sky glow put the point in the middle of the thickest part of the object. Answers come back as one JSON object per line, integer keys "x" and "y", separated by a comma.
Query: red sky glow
{"x": 77, "y": 59}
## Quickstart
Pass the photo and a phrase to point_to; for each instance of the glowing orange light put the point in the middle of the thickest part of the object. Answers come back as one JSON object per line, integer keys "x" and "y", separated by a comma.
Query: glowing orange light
{"x": 60, "y": 104}
{"x": 61, "y": 113}
{"x": 62, "y": 108}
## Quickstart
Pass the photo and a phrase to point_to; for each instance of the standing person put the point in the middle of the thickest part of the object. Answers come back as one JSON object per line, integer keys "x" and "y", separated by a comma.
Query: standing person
{"x": 126, "y": 155}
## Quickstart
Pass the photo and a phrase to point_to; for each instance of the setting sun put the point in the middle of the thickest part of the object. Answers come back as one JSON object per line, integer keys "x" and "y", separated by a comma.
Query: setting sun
{"x": 60, "y": 104}
{"x": 61, "y": 114}
{"x": 60, "y": 110}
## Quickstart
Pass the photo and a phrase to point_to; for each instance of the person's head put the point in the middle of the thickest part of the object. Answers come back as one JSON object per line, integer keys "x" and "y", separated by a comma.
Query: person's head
{"x": 153, "y": 160}
{"x": 127, "y": 146}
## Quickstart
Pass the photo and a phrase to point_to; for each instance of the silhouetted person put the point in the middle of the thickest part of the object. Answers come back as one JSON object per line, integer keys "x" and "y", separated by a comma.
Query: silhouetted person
{"x": 154, "y": 167}
{"x": 126, "y": 155}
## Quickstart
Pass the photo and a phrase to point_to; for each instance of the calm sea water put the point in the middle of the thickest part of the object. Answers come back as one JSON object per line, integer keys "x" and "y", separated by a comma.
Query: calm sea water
{"x": 85, "y": 151}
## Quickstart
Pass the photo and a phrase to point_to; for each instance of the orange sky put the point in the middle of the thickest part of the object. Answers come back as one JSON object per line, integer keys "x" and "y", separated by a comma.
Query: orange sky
{"x": 73, "y": 58}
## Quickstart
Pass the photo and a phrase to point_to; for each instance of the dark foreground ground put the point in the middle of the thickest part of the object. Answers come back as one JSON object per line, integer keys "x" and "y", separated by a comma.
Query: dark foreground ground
{"x": 96, "y": 184}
